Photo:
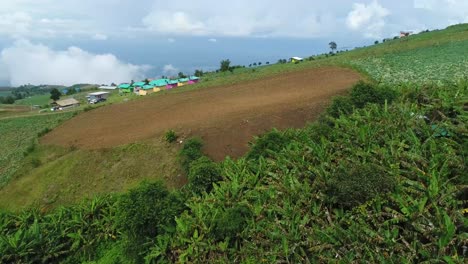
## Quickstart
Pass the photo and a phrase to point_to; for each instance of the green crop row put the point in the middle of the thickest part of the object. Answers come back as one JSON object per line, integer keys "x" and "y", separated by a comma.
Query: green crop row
{"x": 18, "y": 138}
{"x": 434, "y": 64}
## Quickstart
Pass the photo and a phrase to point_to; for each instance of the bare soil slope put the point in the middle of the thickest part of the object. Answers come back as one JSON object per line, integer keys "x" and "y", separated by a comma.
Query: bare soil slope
{"x": 225, "y": 117}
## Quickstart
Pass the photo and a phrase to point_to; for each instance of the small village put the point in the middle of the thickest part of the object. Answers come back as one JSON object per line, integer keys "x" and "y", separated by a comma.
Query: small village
{"x": 142, "y": 88}
{"x": 152, "y": 86}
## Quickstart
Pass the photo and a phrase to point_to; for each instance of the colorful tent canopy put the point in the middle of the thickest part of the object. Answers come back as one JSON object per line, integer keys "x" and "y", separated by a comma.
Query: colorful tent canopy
{"x": 159, "y": 82}
{"x": 124, "y": 86}
{"x": 148, "y": 87}
{"x": 182, "y": 80}
{"x": 138, "y": 84}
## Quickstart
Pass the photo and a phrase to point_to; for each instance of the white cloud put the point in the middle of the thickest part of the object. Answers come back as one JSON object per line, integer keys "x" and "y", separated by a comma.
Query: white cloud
{"x": 212, "y": 40}
{"x": 173, "y": 22}
{"x": 169, "y": 69}
{"x": 454, "y": 11}
{"x": 15, "y": 24}
{"x": 38, "y": 64}
{"x": 370, "y": 19}
{"x": 171, "y": 40}
{"x": 243, "y": 18}
{"x": 99, "y": 36}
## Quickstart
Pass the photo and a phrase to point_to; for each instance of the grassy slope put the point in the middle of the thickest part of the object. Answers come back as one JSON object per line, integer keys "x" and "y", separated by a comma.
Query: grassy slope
{"x": 68, "y": 175}
{"x": 18, "y": 135}
{"x": 396, "y": 56}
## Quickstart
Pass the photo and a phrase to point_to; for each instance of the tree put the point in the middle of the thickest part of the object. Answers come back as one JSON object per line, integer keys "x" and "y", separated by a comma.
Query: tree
{"x": 7, "y": 100}
{"x": 255, "y": 64}
{"x": 333, "y": 46}
{"x": 376, "y": 42}
{"x": 72, "y": 90}
{"x": 55, "y": 94}
{"x": 198, "y": 73}
{"x": 147, "y": 81}
{"x": 259, "y": 64}
{"x": 182, "y": 75}
{"x": 225, "y": 64}
{"x": 267, "y": 63}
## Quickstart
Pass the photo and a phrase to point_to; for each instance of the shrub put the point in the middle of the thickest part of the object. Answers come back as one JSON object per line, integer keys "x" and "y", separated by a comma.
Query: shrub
{"x": 273, "y": 141}
{"x": 363, "y": 93}
{"x": 30, "y": 148}
{"x": 170, "y": 136}
{"x": 43, "y": 132}
{"x": 318, "y": 130}
{"x": 352, "y": 185}
{"x": 203, "y": 173}
{"x": 190, "y": 151}
{"x": 35, "y": 162}
{"x": 145, "y": 212}
{"x": 231, "y": 222}
{"x": 340, "y": 105}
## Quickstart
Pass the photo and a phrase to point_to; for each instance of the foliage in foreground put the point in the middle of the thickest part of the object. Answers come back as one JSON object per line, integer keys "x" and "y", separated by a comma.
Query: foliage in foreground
{"x": 381, "y": 184}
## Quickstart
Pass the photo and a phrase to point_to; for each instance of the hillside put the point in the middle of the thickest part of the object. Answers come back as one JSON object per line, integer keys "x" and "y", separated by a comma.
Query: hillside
{"x": 379, "y": 177}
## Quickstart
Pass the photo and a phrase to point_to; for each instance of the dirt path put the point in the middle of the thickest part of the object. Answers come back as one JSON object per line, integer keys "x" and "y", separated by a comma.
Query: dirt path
{"x": 225, "y": 117}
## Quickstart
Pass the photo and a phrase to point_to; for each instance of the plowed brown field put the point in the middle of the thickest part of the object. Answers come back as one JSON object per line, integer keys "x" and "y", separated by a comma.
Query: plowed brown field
{"x": 225, "y": 117}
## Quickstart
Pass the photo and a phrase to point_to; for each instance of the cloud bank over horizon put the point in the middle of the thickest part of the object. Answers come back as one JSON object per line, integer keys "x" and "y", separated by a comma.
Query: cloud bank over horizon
{"x": 161, "y": 32}
{"x": 29, "y": 63}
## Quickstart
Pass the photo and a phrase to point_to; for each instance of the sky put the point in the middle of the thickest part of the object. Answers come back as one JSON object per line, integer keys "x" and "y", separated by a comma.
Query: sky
{"x": 86, "y": 41}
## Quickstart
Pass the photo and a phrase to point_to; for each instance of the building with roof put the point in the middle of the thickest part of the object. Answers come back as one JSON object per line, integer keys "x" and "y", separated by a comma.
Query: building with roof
{"x": 67, "y": 103}
{"x": 125, "y": 88}
{"x": 296, "y": 59}
{"x": 172, "y": 84}
{"x": 97, "y": 95}
{"x": 105, "y": 87}
{"x": 193, "y": 80}
{"x": 138, "y": 84}
{"x": 404, "y": 34}
{"x": 146, "y": 89}
{"x": 182, "y": 81}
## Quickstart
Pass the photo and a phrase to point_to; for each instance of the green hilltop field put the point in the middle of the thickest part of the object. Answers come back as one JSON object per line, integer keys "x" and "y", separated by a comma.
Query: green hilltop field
{"x": 379, "y": 177}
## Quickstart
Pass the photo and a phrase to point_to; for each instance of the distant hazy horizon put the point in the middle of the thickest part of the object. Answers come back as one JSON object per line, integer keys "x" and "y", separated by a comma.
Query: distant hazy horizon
{"x": 76, "y": 41}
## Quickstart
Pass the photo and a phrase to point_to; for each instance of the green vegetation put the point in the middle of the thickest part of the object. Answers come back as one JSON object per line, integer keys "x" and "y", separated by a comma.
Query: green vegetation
{"x": 19, "y": 135}
{"x": 50, "y": 176}
{"x": 379, "y": 178}
{"x": 55, "y": 94}
{"x": 40, "y": 100}
{"x": 170, "y": 136}
{"x": 377, "y": 185}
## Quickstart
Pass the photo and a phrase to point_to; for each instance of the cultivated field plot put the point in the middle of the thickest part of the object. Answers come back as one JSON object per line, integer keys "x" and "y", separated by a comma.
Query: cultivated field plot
{"x": 434, "y": 64}
{"x": 19, "y": 134}
{"x": 225, "y": 117}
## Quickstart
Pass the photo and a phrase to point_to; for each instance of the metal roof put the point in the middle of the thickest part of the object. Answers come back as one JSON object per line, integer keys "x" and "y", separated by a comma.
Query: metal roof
{"x": 98, "y": 93}
{"x": 159, "y": 82}
{"x": 124, "y": 86}
{"x": 67, "y": 102}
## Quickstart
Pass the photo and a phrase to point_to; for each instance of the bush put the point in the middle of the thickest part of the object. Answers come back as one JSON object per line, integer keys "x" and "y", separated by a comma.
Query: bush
{"x": 145, "y": 212}
{"x": 43, "y": 132}
{"x": 170, "y": 136}
{"x": 353, "y": 185}
{"x": 273, "y": 141}
{"x": 203, "y": 173}
{"x": 340, "y": 105}
{"x": 190, "y": 151}
{"x": 231, "y": 222}
{"x": 363, "y": 93}
{"x": 35, "y": 162}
